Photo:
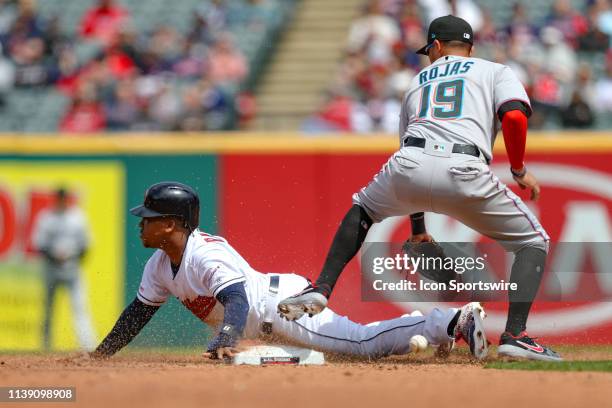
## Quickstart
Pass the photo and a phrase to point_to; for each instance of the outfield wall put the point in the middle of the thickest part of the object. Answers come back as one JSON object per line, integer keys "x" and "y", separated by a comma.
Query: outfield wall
{"x": 278, "y": 200}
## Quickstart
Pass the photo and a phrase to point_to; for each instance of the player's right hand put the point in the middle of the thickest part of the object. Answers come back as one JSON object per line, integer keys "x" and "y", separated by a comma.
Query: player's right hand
{"x": 528, "y": 181}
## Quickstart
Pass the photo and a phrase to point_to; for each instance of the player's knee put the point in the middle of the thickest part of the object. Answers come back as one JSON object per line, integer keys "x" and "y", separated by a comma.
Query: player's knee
{"x": 364, "y": 217}
{"x": 365, "y": 212}
{"x": 541, "y": 244}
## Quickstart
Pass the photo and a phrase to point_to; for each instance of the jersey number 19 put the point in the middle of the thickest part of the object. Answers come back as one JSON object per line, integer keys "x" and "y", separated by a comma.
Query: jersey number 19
{"x": 448, "y": 100}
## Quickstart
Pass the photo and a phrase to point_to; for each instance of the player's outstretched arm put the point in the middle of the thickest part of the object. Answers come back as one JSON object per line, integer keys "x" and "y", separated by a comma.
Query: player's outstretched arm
{"x": 236, "y": 309}
{"x": 129, "y": 324}
{"x": 513, "y": 116}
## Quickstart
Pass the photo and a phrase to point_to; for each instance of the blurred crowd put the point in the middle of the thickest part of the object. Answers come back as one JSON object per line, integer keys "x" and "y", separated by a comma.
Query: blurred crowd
{"x": 155, "y": 79}
{"x": 553, "y": 59}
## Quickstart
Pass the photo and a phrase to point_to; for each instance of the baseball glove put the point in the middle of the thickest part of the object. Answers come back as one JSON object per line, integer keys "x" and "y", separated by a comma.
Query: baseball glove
{"x": 434, "y": 254}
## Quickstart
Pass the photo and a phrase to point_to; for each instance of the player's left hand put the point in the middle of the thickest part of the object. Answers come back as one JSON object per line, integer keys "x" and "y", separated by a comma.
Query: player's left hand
{"x": 423, "y": 245}
{"x": 424, "y": 237}
{"x": 528, "y": 181}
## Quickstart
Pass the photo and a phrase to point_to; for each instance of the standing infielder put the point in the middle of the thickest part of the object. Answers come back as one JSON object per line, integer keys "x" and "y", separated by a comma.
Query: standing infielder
{"x": 448, "y": 126}
{"x": 61, "y": 235}
{"x": 215, "y": 283}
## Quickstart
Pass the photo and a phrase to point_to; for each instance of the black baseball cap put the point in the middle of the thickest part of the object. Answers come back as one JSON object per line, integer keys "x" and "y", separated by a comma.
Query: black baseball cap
{"x": 448, "y": 28}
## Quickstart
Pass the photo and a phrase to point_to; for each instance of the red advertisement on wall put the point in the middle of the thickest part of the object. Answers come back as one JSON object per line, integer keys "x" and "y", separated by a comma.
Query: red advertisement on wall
{"x": 282, "y": 210}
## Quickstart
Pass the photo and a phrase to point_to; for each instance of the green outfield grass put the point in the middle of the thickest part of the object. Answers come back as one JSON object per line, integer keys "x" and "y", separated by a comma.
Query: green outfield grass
{"x": 582, "y": 348}
{"x": 599, "y": 365}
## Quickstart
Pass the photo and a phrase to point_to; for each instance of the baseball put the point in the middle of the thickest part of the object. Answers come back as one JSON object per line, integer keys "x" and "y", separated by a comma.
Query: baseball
{"x": 418, "y": 343}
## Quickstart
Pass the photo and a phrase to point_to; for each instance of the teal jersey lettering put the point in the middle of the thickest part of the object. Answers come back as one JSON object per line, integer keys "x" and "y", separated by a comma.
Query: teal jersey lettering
{"x": 456, "y": 100}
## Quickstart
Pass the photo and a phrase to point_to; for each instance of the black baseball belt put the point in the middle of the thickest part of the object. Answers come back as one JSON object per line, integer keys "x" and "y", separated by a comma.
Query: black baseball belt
{"x": 472, "y": 150}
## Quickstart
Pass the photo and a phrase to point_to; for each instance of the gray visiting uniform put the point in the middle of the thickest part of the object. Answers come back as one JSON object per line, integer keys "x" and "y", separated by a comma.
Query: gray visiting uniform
{"x": 64, "y": 235}
{"x": 454, "y": 101}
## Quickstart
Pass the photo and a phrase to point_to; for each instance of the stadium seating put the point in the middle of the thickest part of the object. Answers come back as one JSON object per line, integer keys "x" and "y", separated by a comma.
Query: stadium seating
{"x": 40, "y": 109}
{"x": 501, "y": 10}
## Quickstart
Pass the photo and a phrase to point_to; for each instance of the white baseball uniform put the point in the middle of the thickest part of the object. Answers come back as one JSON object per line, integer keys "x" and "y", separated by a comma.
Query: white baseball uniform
{"x": 454, "y": 101}
{"x": 210, "y": 264}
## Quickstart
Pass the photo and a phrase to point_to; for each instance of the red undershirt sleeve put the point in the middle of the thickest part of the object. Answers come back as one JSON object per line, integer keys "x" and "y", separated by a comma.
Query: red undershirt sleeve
{"x": 514, "y": 128}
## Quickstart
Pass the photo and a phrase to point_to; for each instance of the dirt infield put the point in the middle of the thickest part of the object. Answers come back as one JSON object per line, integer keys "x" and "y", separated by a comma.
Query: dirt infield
{"x": 139, "y": 379}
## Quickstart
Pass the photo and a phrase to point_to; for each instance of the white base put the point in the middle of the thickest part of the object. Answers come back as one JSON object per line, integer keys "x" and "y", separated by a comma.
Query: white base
{"x": 279, "y": 355}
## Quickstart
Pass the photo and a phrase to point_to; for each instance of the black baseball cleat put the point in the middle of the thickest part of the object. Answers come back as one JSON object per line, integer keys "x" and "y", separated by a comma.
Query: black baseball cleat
{"x": 523, "y": 346}
{"x": 312, "y": 300}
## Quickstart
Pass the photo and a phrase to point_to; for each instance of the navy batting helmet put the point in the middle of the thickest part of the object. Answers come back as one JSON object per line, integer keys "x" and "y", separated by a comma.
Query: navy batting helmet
{"x": 171, "y": 198}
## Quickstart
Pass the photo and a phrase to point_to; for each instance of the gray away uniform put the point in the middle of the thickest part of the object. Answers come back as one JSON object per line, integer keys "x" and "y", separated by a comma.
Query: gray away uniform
{"x": 63, "y": 236}
{"x": 455, "y": 101}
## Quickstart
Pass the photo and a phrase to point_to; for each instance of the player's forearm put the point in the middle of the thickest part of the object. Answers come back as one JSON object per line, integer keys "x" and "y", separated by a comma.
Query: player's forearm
{"x": 236, "y": 306}
{"x": 514, "y": 127}
{"x": 129, "y": 324}
{"x": 417, "y": 221}
{"x": 236, "y": 311}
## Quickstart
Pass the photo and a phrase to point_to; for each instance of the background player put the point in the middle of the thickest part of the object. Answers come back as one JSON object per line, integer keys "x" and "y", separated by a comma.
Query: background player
{"x": 447, "y": 130}
{"x": 61, "y": 236}
{"x": 213, "y": 281}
